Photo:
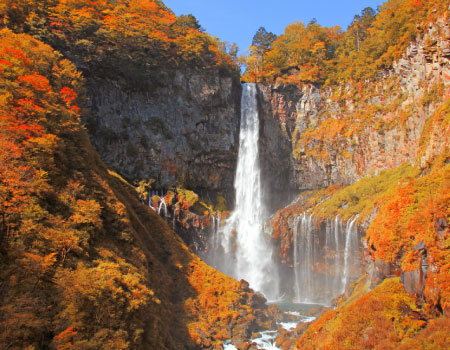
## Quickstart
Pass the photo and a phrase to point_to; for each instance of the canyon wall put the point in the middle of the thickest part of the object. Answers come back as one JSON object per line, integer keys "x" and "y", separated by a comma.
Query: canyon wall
{"x": 187, "y": 131}
{"x": 184, "y": 132}
{"x": 275, "y": 148}
{"x": 338, "y": 135}
{"x": 341, "y": 135}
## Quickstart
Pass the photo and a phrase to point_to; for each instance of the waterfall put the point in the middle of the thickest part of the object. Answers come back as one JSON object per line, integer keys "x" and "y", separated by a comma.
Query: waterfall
{"x": 303, "y": 268}
{"x": 296, "y": 272}
{"x": 214, "y": 230}
{"x": 323, "y": 253}
{"x": 161, "y": 205}
{"x": 328, "y": 248}
{"x": 337, "y": 228}
{"x": 323, "y": 258}
{"x": 214, "y": 242}
{"x": 247, "y": 253}
{"x": 218, "y": 227}
{"x": 351, "y": 241}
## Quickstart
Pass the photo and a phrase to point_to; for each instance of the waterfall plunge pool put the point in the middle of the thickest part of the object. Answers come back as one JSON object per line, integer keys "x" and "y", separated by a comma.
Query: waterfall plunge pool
{"x": 303, "y": 313}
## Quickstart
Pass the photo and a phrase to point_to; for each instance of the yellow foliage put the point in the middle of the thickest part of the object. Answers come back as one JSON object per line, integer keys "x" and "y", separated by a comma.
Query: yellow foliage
{"x": 381, "y": 319}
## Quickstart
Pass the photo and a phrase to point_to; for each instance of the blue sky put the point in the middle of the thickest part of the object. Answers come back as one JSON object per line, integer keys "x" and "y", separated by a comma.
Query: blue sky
{"x": 238, "y": 20}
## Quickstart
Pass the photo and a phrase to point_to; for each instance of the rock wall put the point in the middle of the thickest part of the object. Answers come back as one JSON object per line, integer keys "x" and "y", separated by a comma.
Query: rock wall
{"x": 341, "y": 134}
{"x": 275, "y": 147}
{"x": 185, "y": 132}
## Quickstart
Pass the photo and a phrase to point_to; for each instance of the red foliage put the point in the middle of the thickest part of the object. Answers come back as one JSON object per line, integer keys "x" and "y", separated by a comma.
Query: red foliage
{"x": 37, "y": 81}
{"x": 30, "y": 112}
{"x": 68, "y": 331}
{"x": 68, "y": 95}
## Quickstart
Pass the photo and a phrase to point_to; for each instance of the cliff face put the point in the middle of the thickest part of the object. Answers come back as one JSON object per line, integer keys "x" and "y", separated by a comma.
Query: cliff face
{"x": 276, "y": 113}
{"x": 185, "y": 131}
{"x": 290, "y": 109}
{"x": 339, "y": 135}
{"x": 350, "y": 145}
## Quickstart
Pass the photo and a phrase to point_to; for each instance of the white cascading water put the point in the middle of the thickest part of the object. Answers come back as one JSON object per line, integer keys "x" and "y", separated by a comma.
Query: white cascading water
{"x": 248, "y": 253}
{"x": 161, "y": 206}
{"x": 323, "y": 261}
{"x": 323, "y": 258}
{"x": 304, "y": 259}
{"x": 338, "y": 227}
{"x": 351, "y": 241}
{"x": 296, "y": 272}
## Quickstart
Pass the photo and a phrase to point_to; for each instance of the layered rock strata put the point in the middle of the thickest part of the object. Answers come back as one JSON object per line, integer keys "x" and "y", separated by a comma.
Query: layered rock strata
{"x": 341, "y": 134}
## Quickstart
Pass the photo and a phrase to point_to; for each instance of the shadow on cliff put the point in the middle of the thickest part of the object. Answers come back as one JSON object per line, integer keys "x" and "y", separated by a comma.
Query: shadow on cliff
{"x": 166, "y": 258}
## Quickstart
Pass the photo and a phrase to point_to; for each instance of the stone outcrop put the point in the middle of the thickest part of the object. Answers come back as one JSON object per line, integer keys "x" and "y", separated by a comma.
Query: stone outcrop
{"x": 184, "y": 132}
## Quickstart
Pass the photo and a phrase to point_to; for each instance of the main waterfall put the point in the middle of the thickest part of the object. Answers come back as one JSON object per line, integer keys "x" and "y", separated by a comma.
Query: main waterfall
{"x": 244, "y": 252}
{"x": 325, "y": 253}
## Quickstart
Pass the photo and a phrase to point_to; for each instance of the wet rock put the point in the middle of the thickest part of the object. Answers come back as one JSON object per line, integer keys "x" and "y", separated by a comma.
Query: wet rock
{"x": 293, "y": 109}
{"x": 286, "y": 340}
{"x": 245, "y": 285}
{"x": 241, "y": 343}
{"x": 382, "y": 271}
{"x": 258, "y": 301}
{"x": 253, "y": 346}
{"x": 414, "y": 281}
{"x": 277, "y": 107}
{"x": 420, "y": 246}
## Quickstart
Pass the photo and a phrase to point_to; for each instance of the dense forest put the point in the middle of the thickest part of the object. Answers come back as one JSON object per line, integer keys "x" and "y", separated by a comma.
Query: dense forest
{"x": 84, "y": 264}
{"x": 322, "y": 55}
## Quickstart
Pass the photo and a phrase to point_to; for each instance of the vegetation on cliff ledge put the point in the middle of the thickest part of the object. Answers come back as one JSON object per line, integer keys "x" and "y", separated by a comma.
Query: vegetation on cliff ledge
{"x": 385, "y": 318}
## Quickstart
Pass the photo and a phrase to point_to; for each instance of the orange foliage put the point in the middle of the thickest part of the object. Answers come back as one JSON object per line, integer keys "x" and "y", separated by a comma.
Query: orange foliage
{"x": 123, "y": 35}
{"x": 408, "y": 218}
{"x": 371, "y": 43}
{"x": 79, "y": 252}
{"x": 219, "y": 303}
{"x": 37, "y": 82}
{"x": 381, "y": 319}
{"x": 25, "y": 106}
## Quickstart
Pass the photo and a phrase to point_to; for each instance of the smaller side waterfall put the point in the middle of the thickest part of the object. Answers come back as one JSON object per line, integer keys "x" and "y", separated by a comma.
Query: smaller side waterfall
{"x": 162, "y": 206}
{"x": 215, "y": 227}
{"x": 325, "y": 258}
{"x": 351, "y": 242}
{"x": 338, "y": 227}
{"x": 296, "y": 272}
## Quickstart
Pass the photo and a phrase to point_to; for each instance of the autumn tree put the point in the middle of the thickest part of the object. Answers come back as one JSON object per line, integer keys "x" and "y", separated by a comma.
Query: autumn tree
{"x": 307, "y": 47}
{"x": 187, "y": 22}
{"x": 254, "y": 62}
{"x": 261, "y": 44}
{"x": 360, "y": 25}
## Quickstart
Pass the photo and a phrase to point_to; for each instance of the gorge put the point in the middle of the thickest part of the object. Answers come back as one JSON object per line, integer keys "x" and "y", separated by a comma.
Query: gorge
{"x": 155, "y": 196}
